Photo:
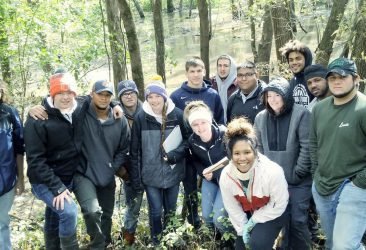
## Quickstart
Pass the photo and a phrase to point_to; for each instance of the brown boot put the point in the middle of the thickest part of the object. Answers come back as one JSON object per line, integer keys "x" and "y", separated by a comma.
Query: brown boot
{"x": 129, "y": 237}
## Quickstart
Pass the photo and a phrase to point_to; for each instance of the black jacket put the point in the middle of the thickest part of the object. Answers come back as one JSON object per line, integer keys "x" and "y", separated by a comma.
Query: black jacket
{"x": 205, "y": 155}
{"x": 249, "y": 109}
{"x": 53, "y": 147}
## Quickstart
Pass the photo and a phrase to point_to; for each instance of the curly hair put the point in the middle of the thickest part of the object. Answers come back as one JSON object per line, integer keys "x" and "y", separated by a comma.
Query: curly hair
{"x": 237, "y": 130}
{"x": 291, "y": 46}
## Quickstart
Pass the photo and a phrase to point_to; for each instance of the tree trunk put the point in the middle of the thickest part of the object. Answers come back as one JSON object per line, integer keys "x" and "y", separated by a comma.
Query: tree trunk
{"x": 116, "y": 42}
{"x": 293, "y": 16}
{"x": 159, "y": 39}
{"x": 282, "y": 29}
{"x": 359, "y": 45}
{"x": 138, "y": 8}
{"x": 190, "y": 8}
{"x": 169, "y": 6}
{"x": 325, "y": 47}
{"x": 252, "y": 32}
{"x": 133, "y": 45}
{"x": 180, "y": 6}
{"x": 204, "y": 34}
{"x": 4, "y": 45}
{"x": 265, "y": 46}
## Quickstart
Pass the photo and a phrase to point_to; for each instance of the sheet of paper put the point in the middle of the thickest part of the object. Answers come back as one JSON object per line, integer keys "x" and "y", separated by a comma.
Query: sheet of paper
{"x": 173, "y": 140}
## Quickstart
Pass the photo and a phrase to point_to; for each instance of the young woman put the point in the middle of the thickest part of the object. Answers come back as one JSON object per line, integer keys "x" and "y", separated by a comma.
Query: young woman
{"x": 152, "y": 168}
{"x": 254, "y": 189}
{"x": 207, "y": 148}
{"x": 283, "y": 136}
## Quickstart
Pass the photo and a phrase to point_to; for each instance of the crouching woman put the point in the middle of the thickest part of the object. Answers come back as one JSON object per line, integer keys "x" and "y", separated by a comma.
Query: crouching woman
{"x": 254, "y": 189}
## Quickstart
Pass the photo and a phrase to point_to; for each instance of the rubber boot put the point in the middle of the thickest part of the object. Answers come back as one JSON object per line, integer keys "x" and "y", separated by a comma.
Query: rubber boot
{"x": 52, "y": 241}
{"x": 69, "y": 243}
{"x": 93, "y": 228}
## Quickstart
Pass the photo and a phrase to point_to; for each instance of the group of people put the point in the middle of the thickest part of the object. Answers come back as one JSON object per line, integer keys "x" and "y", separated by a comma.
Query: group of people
{"x": 292, "y": 146}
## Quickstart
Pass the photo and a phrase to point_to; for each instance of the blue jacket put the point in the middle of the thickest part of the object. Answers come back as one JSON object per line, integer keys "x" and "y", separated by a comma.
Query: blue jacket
{"x": 185, "y": 94}
{"x": 11, "y": 144}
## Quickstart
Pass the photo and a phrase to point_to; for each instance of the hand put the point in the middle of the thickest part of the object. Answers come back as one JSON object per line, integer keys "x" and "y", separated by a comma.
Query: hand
{"x": 247, "y": 229}
{"x": 208, "y": 176}
{"x": 170, "y": 158}
{"x": 38, "y": 112}
{"x": 58, "y": 201}
{"x": 123, "y": 174}
{"x": 19, "y": 186}
{"x": 117, "y": 112}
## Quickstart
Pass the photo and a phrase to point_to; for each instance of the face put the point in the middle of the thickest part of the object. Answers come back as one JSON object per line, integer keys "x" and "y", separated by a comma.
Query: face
{"x": 129, "y": 99}
{"x": 318, "y": 86}
{"x": 223, "y": 68}
{"x": 246, "y": 79}
{"x": 275, "y": 101}
{"x": 63, "y": 100}
{"x": 203, "y": 129}
{"x": 296, "y": 61}
{"x": 156, "y": 102}
{"x": 195, "y": 76}
{"x": 340, "y": 86}
{"x": 243, "y": 156}
{"x": 101, "y": 100}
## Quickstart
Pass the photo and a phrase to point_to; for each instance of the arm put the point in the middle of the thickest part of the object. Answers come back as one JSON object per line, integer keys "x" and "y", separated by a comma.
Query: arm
{"x": 236, "y": 214}
{"x": 303, "y": 164}
{"x": 278, "y": 193}
{"x": 122, "y": 154}
{"x": 313, "y": 144}
{"x": 35, "y": 137}
{"x": 360, "y": 179}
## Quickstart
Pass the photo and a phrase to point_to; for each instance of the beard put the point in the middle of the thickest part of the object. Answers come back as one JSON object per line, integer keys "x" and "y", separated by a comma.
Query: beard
{"x": 344, "y": 94}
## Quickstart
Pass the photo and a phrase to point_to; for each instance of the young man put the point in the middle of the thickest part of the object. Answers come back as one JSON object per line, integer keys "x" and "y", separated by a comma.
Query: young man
{"x": 195, "y": 88}
{"x": 298, "y": 57}
{"x": 105, "y": 149}
{"x": 224, "y": 82}
{"x": 337, "y": 149}
{"x": 316, "y": 82}
{"x": 246, "y": 101}
{"x": 131, "y": 105}
{"x": 52, "y": 149}
{"x": 11, "y": 163}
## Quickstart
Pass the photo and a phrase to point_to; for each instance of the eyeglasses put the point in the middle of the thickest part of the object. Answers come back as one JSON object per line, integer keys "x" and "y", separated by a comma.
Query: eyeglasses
{"x": 247, "y": 75}
{"x": 129, "y": 94}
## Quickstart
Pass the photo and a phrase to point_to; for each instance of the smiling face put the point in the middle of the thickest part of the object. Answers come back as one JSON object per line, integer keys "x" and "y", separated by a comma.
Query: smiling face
{"x": 156, "y": 103}
{"x": 101, "y": 100}
{"x": 243, "y": 156}
{"x": 296, "y": 61}
{"x": 275, "y": 101}
{"x": 202, "y": 128}
{"x": 317, "y": 86}
{"x": 64, "y": 100}
{"x": 247, "y": 79}
{"x": 223, "y": 68}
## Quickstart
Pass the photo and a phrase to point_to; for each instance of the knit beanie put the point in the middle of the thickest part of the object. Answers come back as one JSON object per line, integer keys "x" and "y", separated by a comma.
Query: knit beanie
{"x": 315, "y": 70}
{"x": 126, "y": 85}
{"x": 199, "y": 113}
{"x": 156, "y": 87}
{"x": 62, "y": 82}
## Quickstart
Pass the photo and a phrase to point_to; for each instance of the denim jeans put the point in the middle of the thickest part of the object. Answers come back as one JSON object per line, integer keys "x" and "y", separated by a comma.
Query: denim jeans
{"x": 160, "y": 199}
{"x": 97, "y": 204}
{"x": 342, "y": 216}
{"x": 213, "y": 210}
{"x": 66, "y": 218}
{"x": 6, "y": 201}
{"x": 133, "y": 205}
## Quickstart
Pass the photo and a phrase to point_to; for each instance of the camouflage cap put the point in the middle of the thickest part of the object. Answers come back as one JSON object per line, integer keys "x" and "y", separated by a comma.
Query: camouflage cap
{"x": 342, "y": 66}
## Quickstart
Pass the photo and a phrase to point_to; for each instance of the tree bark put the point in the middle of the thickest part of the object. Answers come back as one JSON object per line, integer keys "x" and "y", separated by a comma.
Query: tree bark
{"x": 359, "y": 45}
{"x": 116, "y": 42}
{"x": 159, "y": 39}
{"x": 138, "y": 8}
{"x": 265, "y": 46}
{"x": 204, "y": 34}
{"x": 169, "y": 6}
{"x": 133, "y": 45}
{"x": 4, "y": 45}
{"x": 190, "y": 8}
{"x": 325, "y": 47}
{"x": 252, "y": 32}
{"x": 281, "y": 23}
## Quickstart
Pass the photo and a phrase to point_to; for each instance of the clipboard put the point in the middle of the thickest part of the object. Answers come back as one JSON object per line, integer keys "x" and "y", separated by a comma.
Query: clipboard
{"x": 173, "y": 140}
{"x": 220, "y": 164}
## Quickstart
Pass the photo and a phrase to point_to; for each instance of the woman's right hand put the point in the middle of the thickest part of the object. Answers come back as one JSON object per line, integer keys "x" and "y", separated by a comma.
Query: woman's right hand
{"x": 208, "y": 176}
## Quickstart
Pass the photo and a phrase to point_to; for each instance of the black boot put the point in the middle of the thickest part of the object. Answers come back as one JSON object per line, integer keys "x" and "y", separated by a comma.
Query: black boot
{"x": 51, "y": 241}
{"x": 69, "y": 243}
{"x": 93, "y": 228}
